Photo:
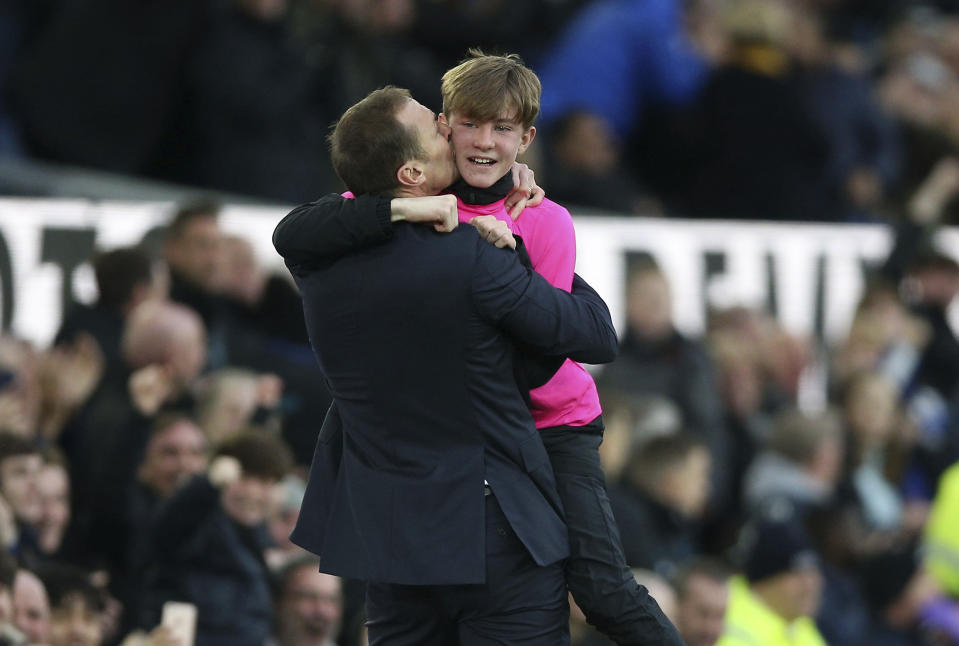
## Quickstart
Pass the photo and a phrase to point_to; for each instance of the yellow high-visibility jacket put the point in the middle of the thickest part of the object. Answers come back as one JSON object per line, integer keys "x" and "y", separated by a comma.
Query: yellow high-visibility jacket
{"x": 942, "y": 533}
{"x": 750, "y": 622}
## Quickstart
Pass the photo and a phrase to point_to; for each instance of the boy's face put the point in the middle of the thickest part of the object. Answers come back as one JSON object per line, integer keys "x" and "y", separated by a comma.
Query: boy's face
{"x": 486, "y": 150}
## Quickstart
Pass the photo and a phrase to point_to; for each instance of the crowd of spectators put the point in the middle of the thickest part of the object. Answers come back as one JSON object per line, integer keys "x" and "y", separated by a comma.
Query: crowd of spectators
{"x": 157, "y": 450}
{"x": 822, "y": 110}
{"x": 152, "y": 454}
{"x": 840, "y": 522}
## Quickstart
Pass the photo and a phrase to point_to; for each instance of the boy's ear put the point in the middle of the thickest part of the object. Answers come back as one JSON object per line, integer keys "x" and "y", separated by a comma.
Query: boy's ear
{"x": 410, "y": 174}
{"x": 527, "y": 139}
{"x": 444, "y": 125}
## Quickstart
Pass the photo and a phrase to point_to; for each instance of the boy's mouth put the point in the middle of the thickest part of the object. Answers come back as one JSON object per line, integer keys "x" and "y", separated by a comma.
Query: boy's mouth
{"x": 481, "y": 161}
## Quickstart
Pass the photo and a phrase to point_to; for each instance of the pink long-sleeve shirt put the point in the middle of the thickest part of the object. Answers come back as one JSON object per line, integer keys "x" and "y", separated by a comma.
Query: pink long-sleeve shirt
{"x": 570, "y": 397}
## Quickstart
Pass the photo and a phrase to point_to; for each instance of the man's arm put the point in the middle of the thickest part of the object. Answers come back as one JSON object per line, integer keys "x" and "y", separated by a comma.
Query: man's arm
{"x": 541, "y": 317}
{"x": 334, "y": 225}
{"x": 331, "y": 227}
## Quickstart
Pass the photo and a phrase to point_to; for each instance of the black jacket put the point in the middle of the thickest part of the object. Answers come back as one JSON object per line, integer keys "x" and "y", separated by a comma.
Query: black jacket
{"x": 416, "y": 339}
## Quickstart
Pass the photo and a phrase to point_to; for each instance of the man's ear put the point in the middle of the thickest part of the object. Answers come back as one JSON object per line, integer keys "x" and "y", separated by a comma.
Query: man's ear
{"x": 527, "y": 139}
{"x": 410, "y": 174}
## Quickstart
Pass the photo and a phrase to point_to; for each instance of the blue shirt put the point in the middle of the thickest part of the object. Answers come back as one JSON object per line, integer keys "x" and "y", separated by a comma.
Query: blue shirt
{"x": 616, "y": 57}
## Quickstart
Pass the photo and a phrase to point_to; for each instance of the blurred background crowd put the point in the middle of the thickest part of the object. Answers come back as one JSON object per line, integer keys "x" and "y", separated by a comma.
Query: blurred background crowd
{"x": 157, "y": 450}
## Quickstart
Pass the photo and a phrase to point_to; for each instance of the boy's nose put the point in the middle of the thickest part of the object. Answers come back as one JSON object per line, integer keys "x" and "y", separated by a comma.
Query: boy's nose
{"x": 484, "y": 137}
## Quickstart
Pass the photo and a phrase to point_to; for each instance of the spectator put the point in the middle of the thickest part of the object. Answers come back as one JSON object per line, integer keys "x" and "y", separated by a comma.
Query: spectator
{"x": 164, "y": 350}
{"x": 917, "y": 89}
{"x": 942, "y": 534}
{"x": 863, "y": 158}
{"x": 121, "y": 72}
{"x": 20, "y": 388}
{"x": 871, "y": 412}
{"x": 309, "y": 605}
{"x": 758, "y": 153}
{"x": 659, "y": 500}
{"x": 584, "y": 167}
{"x": 254, "y": 112}
{"x": 802, "y": 462}
{"x": 125, "y": 278}
{"x": 20, "y": 465}
{"x": 209, "y": 541}
{"x": 773, "y": 602}
{"x": 935, "y": 279}
{"x": 910, "y": 608}
{"x": 843, "y": 616}
{"x": 617, "y": 59}
{"x": 265, "y": 303}
{"x": 175, "y": 452}
{"x": 54, "y": 486}
{"x": 31, "y": 607}
{"x": 743, "y": 389}
{"x": 193, "y": 247}
{"x": 76, "y": 607}
{"x": 367, "y": 45}
{"x": 655, "y": 358}
{"x": 702, "y": 591}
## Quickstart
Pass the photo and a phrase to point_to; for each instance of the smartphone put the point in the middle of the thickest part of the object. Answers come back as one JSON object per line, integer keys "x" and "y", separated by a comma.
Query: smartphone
{"x": 180, "y": 618}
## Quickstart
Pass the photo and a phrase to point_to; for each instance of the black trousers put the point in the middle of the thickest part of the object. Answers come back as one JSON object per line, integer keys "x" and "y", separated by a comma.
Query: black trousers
{"x": 521, "y": 603}
{"x": 596, "y": 572}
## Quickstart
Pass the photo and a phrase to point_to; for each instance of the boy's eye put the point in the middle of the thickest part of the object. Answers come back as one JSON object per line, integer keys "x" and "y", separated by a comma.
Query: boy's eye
{"x": 503, "y": 128}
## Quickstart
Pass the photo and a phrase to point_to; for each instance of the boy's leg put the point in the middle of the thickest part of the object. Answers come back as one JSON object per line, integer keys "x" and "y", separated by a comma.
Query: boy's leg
{"x": 598, "y": 577}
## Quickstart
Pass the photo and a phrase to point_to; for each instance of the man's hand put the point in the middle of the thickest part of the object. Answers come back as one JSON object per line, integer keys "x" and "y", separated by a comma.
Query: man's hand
{"x": 525, "y": 191}
{"x": 494, "y": 231}
{"x": 438, "y": 210}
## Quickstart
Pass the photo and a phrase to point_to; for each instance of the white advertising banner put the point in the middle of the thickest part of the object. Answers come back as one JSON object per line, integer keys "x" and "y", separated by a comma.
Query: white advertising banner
{"x": 810, "y": 276}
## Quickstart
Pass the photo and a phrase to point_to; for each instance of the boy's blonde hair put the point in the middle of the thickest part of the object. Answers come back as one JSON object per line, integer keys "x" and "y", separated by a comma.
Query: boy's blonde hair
{"x": 486, "y": 87}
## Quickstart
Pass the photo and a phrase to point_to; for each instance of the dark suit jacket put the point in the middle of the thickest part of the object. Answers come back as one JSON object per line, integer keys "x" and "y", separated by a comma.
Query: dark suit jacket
{"x": 416, "y": 340}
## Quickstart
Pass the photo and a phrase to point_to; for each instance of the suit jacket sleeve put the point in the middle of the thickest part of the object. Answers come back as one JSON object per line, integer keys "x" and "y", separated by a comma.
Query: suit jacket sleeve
{"x": 332, "y": 227}
{"x": 538, "y": 316}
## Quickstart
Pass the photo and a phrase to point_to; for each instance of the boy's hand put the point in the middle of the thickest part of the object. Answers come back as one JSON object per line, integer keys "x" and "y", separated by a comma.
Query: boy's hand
{"x": 494, "y": 231}
{"x": 525, "y": 191}
{"x": 438, "y": 210}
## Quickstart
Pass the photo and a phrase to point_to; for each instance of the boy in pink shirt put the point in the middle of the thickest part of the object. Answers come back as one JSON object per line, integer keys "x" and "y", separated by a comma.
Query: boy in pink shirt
{"x": 490, "y": 104}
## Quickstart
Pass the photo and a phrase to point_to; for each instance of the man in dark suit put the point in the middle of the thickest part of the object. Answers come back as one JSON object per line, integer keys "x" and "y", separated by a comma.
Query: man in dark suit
{"x": 443, "y": 497}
